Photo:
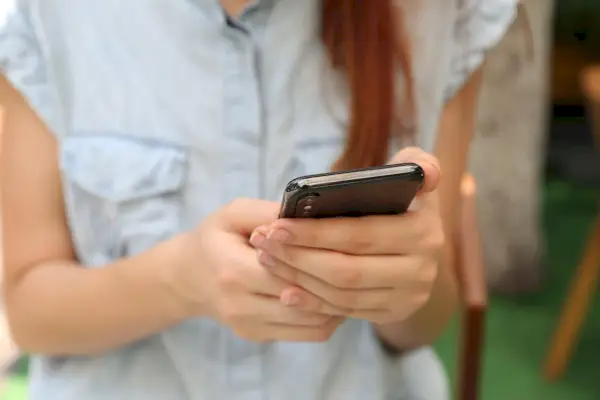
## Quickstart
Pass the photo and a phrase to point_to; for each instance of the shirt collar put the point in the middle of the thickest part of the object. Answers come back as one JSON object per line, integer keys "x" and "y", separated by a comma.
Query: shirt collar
{"x": 214, "y": 8}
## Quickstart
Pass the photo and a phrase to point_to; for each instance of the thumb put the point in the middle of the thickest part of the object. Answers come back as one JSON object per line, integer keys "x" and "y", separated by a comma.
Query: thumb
{"x": 428, "y": 162}
{"x": 245, "y": 215}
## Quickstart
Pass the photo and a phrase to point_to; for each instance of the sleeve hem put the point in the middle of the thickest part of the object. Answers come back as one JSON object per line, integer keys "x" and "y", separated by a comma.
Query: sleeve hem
{"x": 484, "y": 27}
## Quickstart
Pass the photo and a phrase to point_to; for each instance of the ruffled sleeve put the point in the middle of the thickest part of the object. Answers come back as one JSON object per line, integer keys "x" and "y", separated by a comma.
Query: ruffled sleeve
{"x": 480, "y": 25}
{"x": 23, "y": 64}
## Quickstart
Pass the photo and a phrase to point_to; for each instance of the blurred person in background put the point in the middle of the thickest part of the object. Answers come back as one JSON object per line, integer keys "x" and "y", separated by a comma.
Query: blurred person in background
{"x": 146, "y": 148}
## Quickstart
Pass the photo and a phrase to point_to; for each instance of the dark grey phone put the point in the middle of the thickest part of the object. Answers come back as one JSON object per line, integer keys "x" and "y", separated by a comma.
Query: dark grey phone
{"x": 370, "y": 191}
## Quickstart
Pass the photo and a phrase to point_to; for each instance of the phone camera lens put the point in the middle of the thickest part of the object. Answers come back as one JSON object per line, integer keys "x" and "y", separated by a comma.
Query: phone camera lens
{"x": 306, "y": 206}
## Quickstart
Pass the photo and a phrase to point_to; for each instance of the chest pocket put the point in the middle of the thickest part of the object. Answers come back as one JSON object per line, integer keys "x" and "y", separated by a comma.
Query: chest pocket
{"x": 123, "y": 194}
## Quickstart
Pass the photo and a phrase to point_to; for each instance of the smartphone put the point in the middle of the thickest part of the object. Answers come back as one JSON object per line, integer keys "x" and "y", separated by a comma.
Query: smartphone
{"x": 355, "y": 193}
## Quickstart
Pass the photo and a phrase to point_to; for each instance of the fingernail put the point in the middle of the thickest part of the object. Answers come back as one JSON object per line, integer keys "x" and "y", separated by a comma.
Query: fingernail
{"x": 280, "y": 235}
{"x": 290, "y": 300}
{"x": 256, "y": 239}
{"x": 266, "y": 260}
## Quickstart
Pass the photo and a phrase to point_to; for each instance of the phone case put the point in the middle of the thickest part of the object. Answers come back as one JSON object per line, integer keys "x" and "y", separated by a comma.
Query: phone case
{"x": 370, "y": 191}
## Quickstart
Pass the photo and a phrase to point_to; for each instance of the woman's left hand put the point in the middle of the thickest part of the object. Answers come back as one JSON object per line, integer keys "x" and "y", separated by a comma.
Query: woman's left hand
{"x": 377, "y": 268}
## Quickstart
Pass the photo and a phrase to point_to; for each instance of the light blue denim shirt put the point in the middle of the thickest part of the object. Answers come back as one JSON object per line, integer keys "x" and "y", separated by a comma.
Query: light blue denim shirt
{"x": 165, "y": 112}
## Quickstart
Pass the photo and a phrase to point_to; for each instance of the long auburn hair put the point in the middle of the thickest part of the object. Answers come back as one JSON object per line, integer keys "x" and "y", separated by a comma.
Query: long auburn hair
{"x": 365, "y": 40}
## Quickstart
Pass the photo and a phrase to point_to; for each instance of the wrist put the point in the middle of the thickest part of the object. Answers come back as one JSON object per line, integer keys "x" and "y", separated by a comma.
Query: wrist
{"x": 174, "y": 277}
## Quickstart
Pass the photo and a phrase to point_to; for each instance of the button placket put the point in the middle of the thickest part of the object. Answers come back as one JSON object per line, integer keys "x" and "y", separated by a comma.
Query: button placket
{"x": 241, "y": 118}
{"x": 243, "y": 129}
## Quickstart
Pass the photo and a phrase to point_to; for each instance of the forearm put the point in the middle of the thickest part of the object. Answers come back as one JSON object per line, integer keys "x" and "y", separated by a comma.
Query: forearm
{"x": 62, "y": 309}
{"x": 427, "y": 324}
{"x": 457, "y": 127}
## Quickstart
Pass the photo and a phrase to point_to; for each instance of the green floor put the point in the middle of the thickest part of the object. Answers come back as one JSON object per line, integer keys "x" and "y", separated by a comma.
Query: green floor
{"x": 518, "y": 329}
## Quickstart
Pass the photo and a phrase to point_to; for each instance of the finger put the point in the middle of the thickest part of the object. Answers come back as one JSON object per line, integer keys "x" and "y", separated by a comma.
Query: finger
{"x": 428, "y": 162}
{"x": 244, "y": 215}
{"x": 378, "y": 315}
{"x": 304, "y": 292}
{"x": 343, "y": 301}
{"x": 245, "y": 273}
{"x": 333, "y": 300}
{"x": 256, "y": 279}
{"x": 263, "y": 229}
{"x": 425, "y": 199}
{"x": 344, "y": 271}
{"x": 406, "y": 306}
{"x": 410, "y": 233}
{"x": 295, "y": 297}
{"x": 259, "y": 233}
{"x": 287, "y": 333}
{"x": 282, "y": 280}
{"x": 272, "y": 310}
{"x": 381, "y": 314}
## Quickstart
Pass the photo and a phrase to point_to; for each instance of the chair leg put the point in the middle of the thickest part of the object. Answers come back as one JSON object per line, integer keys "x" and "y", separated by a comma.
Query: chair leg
{"x": 575, "y": 308}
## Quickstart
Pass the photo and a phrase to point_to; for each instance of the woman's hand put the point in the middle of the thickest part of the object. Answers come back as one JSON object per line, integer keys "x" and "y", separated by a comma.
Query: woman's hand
{"x": 378, "y": 268}
{"x": 219, "y": 277}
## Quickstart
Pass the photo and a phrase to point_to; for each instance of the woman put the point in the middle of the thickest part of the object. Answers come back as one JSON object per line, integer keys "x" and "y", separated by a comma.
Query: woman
{"x": 134, "y": 270}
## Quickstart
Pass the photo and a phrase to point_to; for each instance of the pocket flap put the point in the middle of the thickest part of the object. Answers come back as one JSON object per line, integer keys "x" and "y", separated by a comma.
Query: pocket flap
{"x": 122, "y": 169}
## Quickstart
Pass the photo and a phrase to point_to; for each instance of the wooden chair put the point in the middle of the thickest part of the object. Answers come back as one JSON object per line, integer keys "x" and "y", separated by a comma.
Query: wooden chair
{"x": 583, "y": 286}
{"x": 474, "y": 296}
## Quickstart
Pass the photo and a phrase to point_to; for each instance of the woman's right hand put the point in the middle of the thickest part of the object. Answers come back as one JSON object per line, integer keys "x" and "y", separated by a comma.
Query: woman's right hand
{"x": 219, "y": 277}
